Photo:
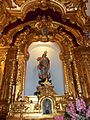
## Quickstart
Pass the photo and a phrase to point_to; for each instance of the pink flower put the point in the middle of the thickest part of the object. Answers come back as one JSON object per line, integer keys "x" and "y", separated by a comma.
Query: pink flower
{"x": 88, "y": 112}
{"x": 71, "y": 110}
{"x": 80, "y": 105}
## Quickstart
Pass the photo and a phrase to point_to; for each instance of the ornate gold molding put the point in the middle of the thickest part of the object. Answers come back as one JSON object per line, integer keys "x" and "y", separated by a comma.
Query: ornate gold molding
{"x": 14, "y": 46}
{"x": 18, "y": 9}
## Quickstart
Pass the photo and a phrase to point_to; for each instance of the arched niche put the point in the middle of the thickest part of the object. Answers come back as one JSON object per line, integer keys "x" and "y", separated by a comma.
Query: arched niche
{"x": 47, "y": 106}
{"x": 36, "y": 50}
{"x": 65, "y": 42}
{"x": 65, "y": 36}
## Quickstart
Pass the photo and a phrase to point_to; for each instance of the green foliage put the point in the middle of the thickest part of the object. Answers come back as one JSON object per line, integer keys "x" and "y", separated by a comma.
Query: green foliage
{"x": 67, "y": 116}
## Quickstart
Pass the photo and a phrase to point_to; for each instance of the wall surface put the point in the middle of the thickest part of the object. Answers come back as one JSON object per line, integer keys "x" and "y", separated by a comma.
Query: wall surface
{"x": 88, "y": 8}
{"x": 36, "y": 50}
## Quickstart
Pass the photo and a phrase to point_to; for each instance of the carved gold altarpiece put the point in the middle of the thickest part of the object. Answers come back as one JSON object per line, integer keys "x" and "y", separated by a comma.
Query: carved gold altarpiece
{"x": 22, "y": 22}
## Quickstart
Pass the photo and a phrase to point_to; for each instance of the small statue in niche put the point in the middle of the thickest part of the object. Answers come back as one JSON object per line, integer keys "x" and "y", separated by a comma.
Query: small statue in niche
{"x": 44, "y": 66}
{"x": 47, "y": 106}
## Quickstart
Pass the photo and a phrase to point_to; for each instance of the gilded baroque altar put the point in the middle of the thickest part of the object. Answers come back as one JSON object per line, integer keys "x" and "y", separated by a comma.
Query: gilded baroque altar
{"x": 23, "y": 22}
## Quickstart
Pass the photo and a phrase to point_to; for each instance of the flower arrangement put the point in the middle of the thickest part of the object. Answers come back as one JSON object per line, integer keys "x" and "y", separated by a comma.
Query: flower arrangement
{"x": 77, "y": 110}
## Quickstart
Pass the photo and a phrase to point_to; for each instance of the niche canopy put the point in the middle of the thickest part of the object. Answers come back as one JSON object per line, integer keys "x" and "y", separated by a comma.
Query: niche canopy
{"x": 30, "y": 5}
